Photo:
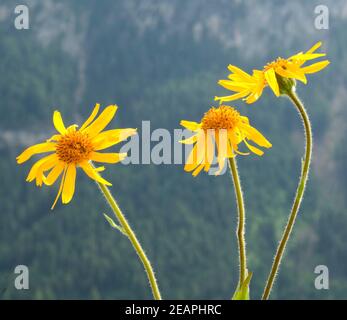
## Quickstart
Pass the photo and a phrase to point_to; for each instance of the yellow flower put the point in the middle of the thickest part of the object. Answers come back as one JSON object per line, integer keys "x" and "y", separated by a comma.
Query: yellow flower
{"x": 73, "y": 148}
{"x": 225, "y": 127}
{"x": 250, "y": 86}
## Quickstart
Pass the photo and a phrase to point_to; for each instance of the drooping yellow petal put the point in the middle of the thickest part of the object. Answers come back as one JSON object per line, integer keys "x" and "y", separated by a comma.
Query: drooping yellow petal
{"x": 107, "y": 157}
{"x": 191, "y": 162}
{"x": 196, "y": 156}
{"x": 69, "y": 184}
{"x": 242, "y": 153}
{"x": 102, "y": 121}
{"x": 93, "y": 174}
{"x": 256, "y": 136}
{"x": 35, "y": 149}
{"x": 91, "y": 117}
{"x": 270, "y": 77}
{"x": 60, "y": 188}
{"x": 254, "y": 149}
{"x": 209, "y": 151}
{"x": 54, "y": 174}
{"x": 222, "y": 147}
{"x": 315, "y": 67}
{"x": 198, "y": 169}
{"x": 47, "y": 165}
{"x": 58, "y": 122}
{"x": 34, "y": 171}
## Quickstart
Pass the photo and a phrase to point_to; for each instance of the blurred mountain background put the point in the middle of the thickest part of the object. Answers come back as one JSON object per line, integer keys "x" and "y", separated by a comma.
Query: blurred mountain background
{"x": 160, "y": 60}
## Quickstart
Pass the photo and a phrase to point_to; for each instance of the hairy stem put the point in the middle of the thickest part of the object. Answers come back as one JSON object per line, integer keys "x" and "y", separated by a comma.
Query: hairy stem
{"x": 241, "y": 220}
{"x": 133, "y": 239}
{"x": 298, "y": 197}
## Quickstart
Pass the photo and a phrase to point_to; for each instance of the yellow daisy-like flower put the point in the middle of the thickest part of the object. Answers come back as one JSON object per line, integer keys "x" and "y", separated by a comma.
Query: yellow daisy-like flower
{"x": 250, "y": 87}
{"x": 225, "y": 128}
{"x": 73, "y": 148}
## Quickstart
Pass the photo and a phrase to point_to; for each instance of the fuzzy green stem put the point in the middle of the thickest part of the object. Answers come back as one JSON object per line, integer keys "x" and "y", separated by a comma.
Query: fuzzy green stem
{"x": 133, "y": 239}
{"x": 299, "y": 193}
{"x": 241, "y": 220}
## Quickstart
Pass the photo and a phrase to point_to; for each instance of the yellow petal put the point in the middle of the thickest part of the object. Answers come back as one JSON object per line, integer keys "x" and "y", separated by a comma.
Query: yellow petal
{"x": 191, "y": 160}
{"x": 69, "y": 183}
{"x": 307, "y": 56}
{"x": 109, "y": 138}
{"x": 238, "y": 71}
{"x": 198, "y": 169}
{"x": 234, "y": 86}
{"x": 102, "y": 121}
{"x": 315, "y": 47}
{"x": 190, "y": 140}
{"x": 209, "y": 154}
{"x": 256, "y": 92}
{"x": 190, "y": 125}
{"x": 312, "y": 50}
{"x": 254, "y": 149}
{"x": 55, "y": 137}
{"x": 54, "y": 174}
{"x": 47, "y": 165}
{"x": 107, "y": 157}
{"x": 315, "y": 67}
{"x": 58, "y": 122}
{"x": 222, "y": 147}
{"x": 35, "y": 149}
{"x": 233, "y": 97}
{"x": 253, "y": 134}
{"x": 194, "y": 159}
{"x": 270, "y": 77}
{"x": 91, "y": 117}
{"x": 92, "y": 173}
{"x": 60, "y": 188}
{"x": 296, "y": 73}
{"x": 35, "y": 172}
{"x": 196, "y": 156}
{"x": 242, "y": 153}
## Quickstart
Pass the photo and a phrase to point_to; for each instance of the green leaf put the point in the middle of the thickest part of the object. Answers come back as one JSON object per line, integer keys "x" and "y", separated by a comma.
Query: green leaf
{"x": 242, "y": 291}
{"x": 114, "y": 225}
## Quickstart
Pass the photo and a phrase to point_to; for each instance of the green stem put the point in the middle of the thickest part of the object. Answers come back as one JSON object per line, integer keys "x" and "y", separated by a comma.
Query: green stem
{"x": 299, "y": 193}
{"x": 241, "y": 220}
{"x": 133, "y": 239}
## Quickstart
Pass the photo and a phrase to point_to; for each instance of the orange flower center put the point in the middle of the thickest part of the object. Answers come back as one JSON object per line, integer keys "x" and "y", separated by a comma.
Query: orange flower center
{"x": 278, "y": 63}
{"x": 223, "y": 117}
{"x": 74, "y": 147}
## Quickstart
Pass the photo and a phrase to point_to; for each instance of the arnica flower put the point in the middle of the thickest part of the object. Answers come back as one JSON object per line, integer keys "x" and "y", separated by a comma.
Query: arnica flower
{"x": 280, "y": 75}
{"x": 225, "y": 128}
{"x": 73, "y": 148}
